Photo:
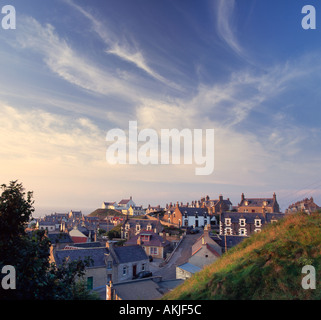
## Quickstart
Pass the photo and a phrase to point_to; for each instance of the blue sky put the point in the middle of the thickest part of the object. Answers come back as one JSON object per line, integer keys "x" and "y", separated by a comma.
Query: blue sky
{"x": 72, "y": 70}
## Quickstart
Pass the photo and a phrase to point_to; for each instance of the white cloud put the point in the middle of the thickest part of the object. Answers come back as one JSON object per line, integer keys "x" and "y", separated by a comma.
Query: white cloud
{"x": 225, "y": 28}
{"x": 69, "y": 64}
{"x": 35, "y": 134}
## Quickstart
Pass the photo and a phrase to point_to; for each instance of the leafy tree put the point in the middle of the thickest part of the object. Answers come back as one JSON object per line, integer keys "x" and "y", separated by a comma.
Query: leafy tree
{"x": 28, "y": 253}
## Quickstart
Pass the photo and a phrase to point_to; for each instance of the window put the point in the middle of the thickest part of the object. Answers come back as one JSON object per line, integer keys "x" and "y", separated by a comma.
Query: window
{"x": 227, "y": 221}
{"x": 257, "y": 230}
{"x": 242, "y": 232}
{"x": 90, "y": 283}
{"x": 145, "y": 237}
{"x": 242, "y": 222}
{"x": 149, "y": 227}
{"x": 228, "y": 231}
{"x": 109, "y": 265}
{"x": 257, "y": 222}
{"x": 143, "y": 267}
{"x": 124, "y": 270}
{"x": 137, "y": 227}
{"x": 153, "y": 250}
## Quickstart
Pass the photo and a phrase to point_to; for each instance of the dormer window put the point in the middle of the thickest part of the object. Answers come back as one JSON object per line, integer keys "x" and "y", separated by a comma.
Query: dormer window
{"x": 145, "y": 237}
{"x": 227, "y": 221}
{"x": 246, "y": 203}
{"x": 127, "y": 226}
{"x": 137, "y": 227}
{"x": 149, "y": 227}
{"x": 242, "y": 222}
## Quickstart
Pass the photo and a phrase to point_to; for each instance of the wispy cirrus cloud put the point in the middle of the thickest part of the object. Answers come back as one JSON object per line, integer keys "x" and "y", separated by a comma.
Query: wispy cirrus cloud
{"x": 122, "y": 48}
{"x": 225, "y": 25}
{"x": 68, "y": 64}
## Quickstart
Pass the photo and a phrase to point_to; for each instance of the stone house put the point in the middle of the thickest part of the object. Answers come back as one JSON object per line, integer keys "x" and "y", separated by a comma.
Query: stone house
{"x": 244, "y": 224}
{"x": 75, "y": 215}
{"x": 258, "y": 205}
{"x": 123, "y": 263}
{"x": 135, "y": 211}
{"x": 132, "y": 227}
{"x": 188, "y": 217}
{"x": 109, "y": 205}
{"x": 306, "y": 205}
{"x": 205, "y": 251}
{"x": 49, "y": 226}
{"x": 216, "y": 206}
{"x": 95, "y": 274}
{"x": 153, "y": 244}
{"x": 125, "y": 204}
{"x": 116, "y": 264}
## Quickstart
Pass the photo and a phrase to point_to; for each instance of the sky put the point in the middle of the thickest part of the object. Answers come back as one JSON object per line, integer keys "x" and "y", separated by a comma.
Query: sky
{"x": 73, "y": 70}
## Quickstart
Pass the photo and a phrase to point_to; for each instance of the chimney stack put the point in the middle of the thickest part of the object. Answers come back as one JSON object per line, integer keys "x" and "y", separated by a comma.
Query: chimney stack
{"x": 109, "y": 291}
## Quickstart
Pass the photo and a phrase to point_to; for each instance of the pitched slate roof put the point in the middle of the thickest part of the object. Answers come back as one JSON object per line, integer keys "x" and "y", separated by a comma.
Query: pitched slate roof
{"x": 257, "y": 202}
{"x": 59, "y": 237}
{"x": 193, "y": 211}
{"x": 130, "y": 254}
{"x": 96, "y": 244}
{"x": 142, "y": 289}
{"x": 189, "y": 267}
{"x": 124, "y": 201}
{"x": 155, "y": 239}
{"x": 96, "y": 254}
{"x": 231, "y": 241}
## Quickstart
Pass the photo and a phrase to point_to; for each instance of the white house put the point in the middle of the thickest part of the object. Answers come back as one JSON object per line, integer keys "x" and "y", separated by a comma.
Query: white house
{"x": 109, "y": 205}
{"x": 124, "y": 204}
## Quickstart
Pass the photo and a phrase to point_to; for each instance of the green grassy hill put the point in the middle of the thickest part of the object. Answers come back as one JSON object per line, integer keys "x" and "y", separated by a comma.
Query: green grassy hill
{"x": 267, "y": 266}
{"x": 105, "y": 213}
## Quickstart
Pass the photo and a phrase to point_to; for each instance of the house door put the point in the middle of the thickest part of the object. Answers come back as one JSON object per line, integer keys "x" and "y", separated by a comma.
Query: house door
{"x": 134, "y": 270}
